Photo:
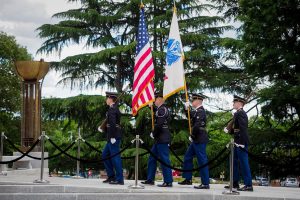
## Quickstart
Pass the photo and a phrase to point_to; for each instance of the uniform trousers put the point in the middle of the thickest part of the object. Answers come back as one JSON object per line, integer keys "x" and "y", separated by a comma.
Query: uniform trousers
{"x": 198, "y": 150}
{"x": 161, "y": 150}
{"x": 241, "y": 159}
{"x": 113, "y": 166}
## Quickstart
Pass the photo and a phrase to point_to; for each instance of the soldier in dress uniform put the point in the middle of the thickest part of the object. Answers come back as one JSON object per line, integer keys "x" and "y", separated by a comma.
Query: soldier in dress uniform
{"x": 113, "y": 166}
{"x": 162, "y": 137}
{"x": 197, "y": 148}
{"x": 239, "y": 131}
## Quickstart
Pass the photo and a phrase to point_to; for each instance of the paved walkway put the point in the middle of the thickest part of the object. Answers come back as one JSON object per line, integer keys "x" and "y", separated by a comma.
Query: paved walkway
{"x": 21, "y": 187}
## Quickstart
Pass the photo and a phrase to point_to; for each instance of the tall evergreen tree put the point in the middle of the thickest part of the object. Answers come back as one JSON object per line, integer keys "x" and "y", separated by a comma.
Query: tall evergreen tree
{"x": 112, "y": 27}
{"x": 271, "y": 53}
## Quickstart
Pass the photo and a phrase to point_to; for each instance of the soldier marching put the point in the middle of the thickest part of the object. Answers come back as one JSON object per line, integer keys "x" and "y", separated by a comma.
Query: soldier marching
{"x": 162, "y": 139}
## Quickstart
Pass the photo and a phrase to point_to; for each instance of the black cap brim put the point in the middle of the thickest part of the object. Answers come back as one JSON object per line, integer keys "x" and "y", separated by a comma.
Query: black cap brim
{"x": 112, "y": 95}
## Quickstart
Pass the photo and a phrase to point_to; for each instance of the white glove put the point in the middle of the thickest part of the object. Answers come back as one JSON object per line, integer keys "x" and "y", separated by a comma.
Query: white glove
{"x": 186, "y": 105}
{"x": 151, "y": 135}
{"x": 225, "y": 130}
{"x": 232, "y": 112}
{"x": 190, "y": 139}
{"x": 99, "y": 129}
{"x": 113, "y": 140}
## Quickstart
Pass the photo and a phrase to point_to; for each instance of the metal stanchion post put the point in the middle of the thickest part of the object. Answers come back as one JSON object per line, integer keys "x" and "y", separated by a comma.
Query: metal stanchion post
{"x": 78, "y": 155}
{"x": 231, "y": 192}
{"x": 41, "y": 180}
{"x": 1, "y": 154}
{"x": 136, "y": 170}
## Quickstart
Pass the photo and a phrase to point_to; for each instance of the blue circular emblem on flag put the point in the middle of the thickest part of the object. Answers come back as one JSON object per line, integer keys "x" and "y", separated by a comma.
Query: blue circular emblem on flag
{"x": 173, "y": 52}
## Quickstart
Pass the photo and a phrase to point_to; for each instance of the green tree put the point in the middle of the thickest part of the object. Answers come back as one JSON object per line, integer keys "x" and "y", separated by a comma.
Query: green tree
{"x": 10, "y": 90}
{"x": 271, "y": 53}
{"x": 112, "y": 27}
{"x": 268, "y": 51}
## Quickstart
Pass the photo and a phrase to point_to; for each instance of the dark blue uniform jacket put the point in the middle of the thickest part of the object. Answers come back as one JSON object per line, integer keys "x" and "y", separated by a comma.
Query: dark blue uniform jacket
{"x": 161, "y": 131}
{"x": 240, "y": 126}
{"x": 113, "y": 122}
{"x": 198, "y": 118}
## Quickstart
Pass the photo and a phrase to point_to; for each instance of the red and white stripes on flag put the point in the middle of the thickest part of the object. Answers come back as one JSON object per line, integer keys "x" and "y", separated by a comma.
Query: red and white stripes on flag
{"x": 143, "y": 86}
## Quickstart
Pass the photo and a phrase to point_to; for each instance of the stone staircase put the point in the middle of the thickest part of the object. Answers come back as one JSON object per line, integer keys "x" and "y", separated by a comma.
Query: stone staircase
{"x": 14, "y": 188}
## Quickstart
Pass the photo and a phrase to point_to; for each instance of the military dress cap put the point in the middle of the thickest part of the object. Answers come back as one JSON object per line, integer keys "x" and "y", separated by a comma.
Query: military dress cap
{"x": 111, "y": 95}
{"x": 198, "y": 96}
{"x": 158, "y": 94}
{"x": 240, "y": 99}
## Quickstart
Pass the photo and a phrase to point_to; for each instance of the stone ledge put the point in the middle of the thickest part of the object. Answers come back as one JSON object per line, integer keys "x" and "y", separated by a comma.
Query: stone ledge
{"x": 131, "y": 196}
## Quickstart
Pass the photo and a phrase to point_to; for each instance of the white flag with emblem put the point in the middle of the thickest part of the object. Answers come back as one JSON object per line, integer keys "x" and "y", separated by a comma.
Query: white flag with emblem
{"x": 174, "y": 72}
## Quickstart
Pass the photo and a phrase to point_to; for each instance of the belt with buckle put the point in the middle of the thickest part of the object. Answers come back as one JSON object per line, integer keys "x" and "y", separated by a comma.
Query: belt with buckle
{"x": 236, "y": 130}
{"x": 117, "y": 125}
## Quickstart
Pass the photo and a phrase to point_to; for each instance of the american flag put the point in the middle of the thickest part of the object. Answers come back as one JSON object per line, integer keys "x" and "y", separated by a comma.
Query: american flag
{"x": 143, "y": 86}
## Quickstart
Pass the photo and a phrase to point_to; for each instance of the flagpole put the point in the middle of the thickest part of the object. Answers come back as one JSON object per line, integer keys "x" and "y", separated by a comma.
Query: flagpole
{"x": 152, "y": 117}
{"x": 188, "y": 108}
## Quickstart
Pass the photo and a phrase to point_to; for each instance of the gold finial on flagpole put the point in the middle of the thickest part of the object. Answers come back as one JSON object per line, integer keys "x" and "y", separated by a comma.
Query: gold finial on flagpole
{"x": 174, "y": 7}
{"x": 142, "y": 5}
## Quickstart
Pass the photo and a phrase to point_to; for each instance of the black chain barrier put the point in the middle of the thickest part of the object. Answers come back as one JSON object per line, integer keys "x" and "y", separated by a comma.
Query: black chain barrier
{"x": 99, "y": 151}
{"x": 266, "y": 161}
{"x": 25, "y": 154}
{"x": 89, "y": 161}
{"x": 68, "y": 148}
{"x": 185, "y": 170}
{"x": 174, "y": 153}
{"x": 37, "y": 158}
{"x": 220, "y": 161}
{"x": 259, "y": 159}
{"x": 92, "y": 147}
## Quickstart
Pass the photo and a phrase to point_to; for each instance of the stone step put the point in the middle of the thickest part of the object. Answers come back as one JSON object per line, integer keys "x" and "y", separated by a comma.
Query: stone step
{"x": 26, "y": 172}
{"x": 30, "y": 191}
{"x": 110, "y": 196}
{"x": 22, "y": 188}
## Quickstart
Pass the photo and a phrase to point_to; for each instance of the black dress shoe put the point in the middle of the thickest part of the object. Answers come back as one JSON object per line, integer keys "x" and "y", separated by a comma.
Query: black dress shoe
{"x": 185, "y": 182}
{"x": 233, "y": 187}
{"x": 109, "y": 179}
{"x": 202, "y": 187}
{"x": 165, "y": 185}
{"x": 147, "y": 182}
{"x": 116, "y": 182}
{"x": 246, "y": 188}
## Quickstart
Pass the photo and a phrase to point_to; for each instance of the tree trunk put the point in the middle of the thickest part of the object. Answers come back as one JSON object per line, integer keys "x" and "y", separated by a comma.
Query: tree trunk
{"x": 118, "y": 80}
{"x": 154, "y": 33}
